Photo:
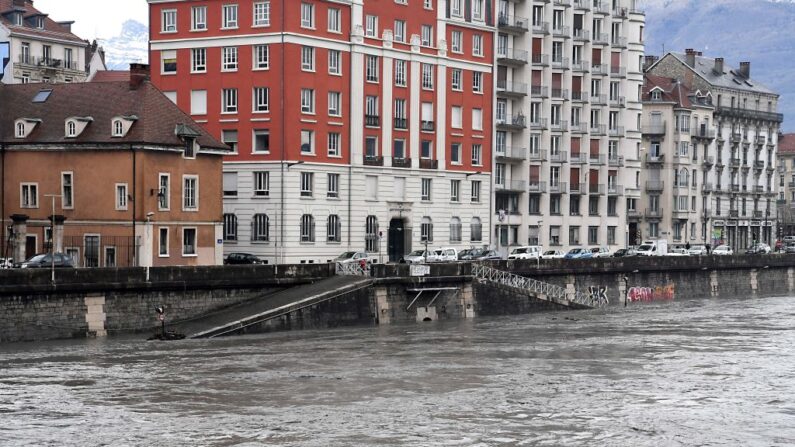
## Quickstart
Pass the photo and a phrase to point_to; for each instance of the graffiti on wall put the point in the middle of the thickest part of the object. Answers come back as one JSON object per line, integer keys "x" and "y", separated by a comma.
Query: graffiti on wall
{"x": 598, "y": 295}
{"x": 648, "y": 294}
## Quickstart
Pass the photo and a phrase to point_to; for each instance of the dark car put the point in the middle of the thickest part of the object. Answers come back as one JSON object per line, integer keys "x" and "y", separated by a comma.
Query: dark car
{"x": 487, "y": 255}
{"x": 45, "y": 260}
{"x": 242, "y": 258}
{"x": 624, "y": 252}
{"x": 465, "y": 255}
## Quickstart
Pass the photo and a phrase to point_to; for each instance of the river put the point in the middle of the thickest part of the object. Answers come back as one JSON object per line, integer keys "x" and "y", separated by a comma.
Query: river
{"x": 689, "y": 373}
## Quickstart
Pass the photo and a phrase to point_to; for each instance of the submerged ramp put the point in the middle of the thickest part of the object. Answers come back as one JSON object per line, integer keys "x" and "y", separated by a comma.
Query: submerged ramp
{"x": 540, "y": 290}
{"x": 265, "y": 308}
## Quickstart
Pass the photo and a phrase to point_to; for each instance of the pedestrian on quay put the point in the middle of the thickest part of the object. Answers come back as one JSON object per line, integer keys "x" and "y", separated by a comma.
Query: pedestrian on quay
{"x": 687, "y": 245}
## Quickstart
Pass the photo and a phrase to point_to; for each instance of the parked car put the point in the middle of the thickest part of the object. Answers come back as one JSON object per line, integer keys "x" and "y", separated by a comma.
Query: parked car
{"x": 697, "y": 250}
{"x": 242, "y": 258}
{"x": 553, "y": 254}
{"x": 6, "y": 263}
{"x": 349, "y": 257}
{"x": 526, "y": 252}
{"x": 653, "y": 248}
{"x": 790, "y": 248}
{"x": 758, "y": 249}
{"x": 484, "y": 255}
{"x": 624, "y": 253}
{"x": 415, "y": 257}
{"x": 445, "y": 254}
{"x": 677, "y": 252}
{"x": 600, "y": 252}
{"x": 45, "y": 260}
{"x": 723, "y": 250}
{"x": 578, "y": 253}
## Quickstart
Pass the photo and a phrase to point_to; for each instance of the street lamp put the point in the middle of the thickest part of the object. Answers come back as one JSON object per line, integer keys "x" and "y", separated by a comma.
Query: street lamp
{"x": 538, "y": 237}
{"x": 52, "y": 237}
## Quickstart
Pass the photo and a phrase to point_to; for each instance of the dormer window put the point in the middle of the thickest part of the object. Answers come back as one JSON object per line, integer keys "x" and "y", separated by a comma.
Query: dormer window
{"x": 40, "y": 22}
{"x": 190, "y": 147}
{"x": 71, "y": 129}
{"x": 24, "y": 126}
{"x": 120, "y": 125}
{"x": 18, "y": 19}
{"x": 20, "y": 130}
{"x": 656, "y": 95}
{"x": 118, "y": 128}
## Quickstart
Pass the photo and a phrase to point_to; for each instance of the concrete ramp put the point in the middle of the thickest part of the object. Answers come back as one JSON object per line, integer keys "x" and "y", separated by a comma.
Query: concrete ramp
{"x": 272, "y": 306}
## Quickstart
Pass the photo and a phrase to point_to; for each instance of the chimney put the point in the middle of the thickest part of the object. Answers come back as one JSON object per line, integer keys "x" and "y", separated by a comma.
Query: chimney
{"x": 718, "y": 65}
{"x": 649, "y": 60}
{"x": 690, "y": 57}
{"x": 745, "y": 69}
{"x": 139, "y": 73}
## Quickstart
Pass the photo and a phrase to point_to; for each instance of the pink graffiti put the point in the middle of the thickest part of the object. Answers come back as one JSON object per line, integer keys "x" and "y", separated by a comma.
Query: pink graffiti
{"x": 648, "y": 294}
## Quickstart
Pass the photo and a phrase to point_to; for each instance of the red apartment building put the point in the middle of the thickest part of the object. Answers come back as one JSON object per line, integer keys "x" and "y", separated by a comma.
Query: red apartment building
{"x": 357, "y": 125}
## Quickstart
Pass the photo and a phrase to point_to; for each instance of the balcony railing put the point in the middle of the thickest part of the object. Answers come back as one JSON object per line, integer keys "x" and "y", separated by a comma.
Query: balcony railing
{"x": 48, "y": 62}
{"x": 618, "y": 42}
{"x": 596, "y": 189}
{"x": 561, "y": 63}
{"x": 538, "y": 155}
{"x": 655, "y": 158}
{"x": 579, "y": 96}
{"x": 427, "y": 126}
{"x": 598, "y": 130}
{"x": 562, "y": 31}
{"x": 399, "y": 162}
{"x": 737, "y": 112}
{"x": 538, "y": 123}
{"x": 578, "y": 158}
{"x": 510, "y": 55}
{"x": 653, "y": 129}
{"x": 700, "y": 132}
{"x": 618, "y": 72}
{"x": 615, "y": 190}
{"x": 541, "y": 60}
{"x": 599, "y": 69}
{"x": 599, "y": 100}
{"x": 560, "y": 93}
{"x": 601, "y": 7}
{"x": 558, "y": 188}
{"x": 582, "y": 34}
{"x": 560, "y": 126}
{"x": 596, "y": 159}
{"x": 536, "y": 187}
{"x": 706, "y": 187}
{"x": 512, "y": 88}
{"x": 513, "y": 23}
{"x": 541, "y": 28}
{"x": 581, "y": 127}
{"x": 761, "y": 139}
{"x": 539, "y": 91}
{"x": 654, "y": 214}
{"x": 708, "y": 160}
{"x": 559, "y": 157}
{"x": 584, "y": 5}
{"x": 427, "y": 163}
{"x": 373, "y": 160}
{"x": 511, "y": 185}
{"x": 618, "y": 101}
{"x": 652, "y": 185}
{"x": 734, "y": 213}
{"x": 581, "y": 66}
{"x": 759, "y": 164}
{"x": 401, "y": 123}
{"x": 515, "y": 122}
{"x": 617, "y": 131}
{"x": 372, "y": 120}
{"x": 517, "y": 153}
{"x": 601, "y": 38}
{"x": 615, "y": 161}
{"x": 579, "y": 188}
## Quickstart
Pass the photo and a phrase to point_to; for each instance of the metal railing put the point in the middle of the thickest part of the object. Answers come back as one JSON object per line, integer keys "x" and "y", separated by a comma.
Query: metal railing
{"x": 552, "y": 291}
{"x": 352, "y": 269}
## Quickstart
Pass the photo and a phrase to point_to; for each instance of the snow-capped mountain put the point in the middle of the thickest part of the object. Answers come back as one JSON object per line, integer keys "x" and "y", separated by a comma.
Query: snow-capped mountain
{"x": 132, "y": 45}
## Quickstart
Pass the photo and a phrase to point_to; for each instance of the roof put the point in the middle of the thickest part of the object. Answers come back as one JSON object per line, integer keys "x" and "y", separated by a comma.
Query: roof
{"x": 52, "y": 29}
{"x": 730, "y": 78}
{"x": 158, "y": 117}
{"x": 111, "y": 76}
{"x": 672, "y": 92}
{"x": 786, "y": 144}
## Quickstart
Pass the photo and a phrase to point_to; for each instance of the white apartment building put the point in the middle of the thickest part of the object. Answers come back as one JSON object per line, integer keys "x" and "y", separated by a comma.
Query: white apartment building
{"x": 567, "y": 151}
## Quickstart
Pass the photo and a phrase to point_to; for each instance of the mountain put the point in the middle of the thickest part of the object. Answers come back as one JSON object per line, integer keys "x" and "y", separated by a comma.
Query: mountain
{"x": 759, "y": 31}
{"x": 132, "y": 45}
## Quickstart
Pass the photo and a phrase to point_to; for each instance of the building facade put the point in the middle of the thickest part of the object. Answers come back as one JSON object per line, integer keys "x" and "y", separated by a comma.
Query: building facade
{"x": 357, "y": 125}
{"x": 40, "y": 49}
{"x": 678, "y": 143}
{"x": 742, "y": 206}
{"x": 111, "y": 173}
{"x": 785, "y": 159}
{"x": 568, "y": 112}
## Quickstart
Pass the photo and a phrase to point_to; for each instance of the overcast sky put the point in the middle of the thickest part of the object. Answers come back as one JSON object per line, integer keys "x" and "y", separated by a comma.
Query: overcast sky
{"x": 95, "y": 18}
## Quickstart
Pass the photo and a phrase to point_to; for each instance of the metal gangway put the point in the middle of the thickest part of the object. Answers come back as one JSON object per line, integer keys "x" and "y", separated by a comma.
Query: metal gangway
{"x": 352, "y": 269}
{"x": 552, "y": 292}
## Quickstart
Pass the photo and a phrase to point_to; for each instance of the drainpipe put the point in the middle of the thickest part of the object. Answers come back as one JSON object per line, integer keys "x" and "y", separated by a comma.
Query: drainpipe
{"x": 280, "y": 255}
{"x": 136, "y": 255}
{"x": 3, "y": 199}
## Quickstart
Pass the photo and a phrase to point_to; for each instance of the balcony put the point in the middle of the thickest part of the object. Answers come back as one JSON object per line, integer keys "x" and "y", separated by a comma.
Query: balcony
{"x": 736, "y": 137}
{"x": 511, "y": 88}
{"x": 512, "y": 123}
{"x": 539, "y": 91}
{"x": 559, "y": 126}
{"x": 708, "y": 161}
{"x": 510, "y": 56}
{"x": 560, "y": 93}
{"x": 580, "y": 127}
{"x": 581, "y": 66}
{"x": 706, "y": 188}
{"x": 758, "y": 214}
{"x": 372, "y": 120}
{"x": 538, "y": 155}
{"x": 703, "y": 133}
{"x": 734, "y": 163}
{"x": 734, "y": 214}
{"x": 615, "y": 161}
{"x": 401, "y": 123}
{"x": 578, "y": 158}
{"x": 540, "y": 60}
{"x": 736, "y": 112}
{"x": 513, "y": 24}
{"x": 654, "y": 186}
{"x": 618, "y": 72}
{"x": 599, "y": 69}
{"x": 582, "y": 35}
{"x": 510, "y": 153}
{"x": 601, "y": 7}
{"x": 618, "y": 42}
{"x": 735, "y": 188}
{"x": 564, "y": 3}
{"x": 47, "y": 63}
{"x": 579, "y": 188}
{"x": 398, "y": 162}
{"x": 595, "y": 189}
{"x": 598, "y": 100}
{"x": 761, "y": 140}
{"x": 536, "y": 187}
{"x": 680, "y": 213}
{"x": 617, "y": 131}
{"x": 656, "y": 129}
{"x": 618, "y": 101}
{"x": 759, "y": 189}
{"x": 511, "y": 185}
{"x": 655, "y": 159}
{"x": 579, "y": 96}
{"x": 558, "y": 188}
{"x": 615, "y": 190}
{"x": 563, "y": 31}
{"x": 559, "y": 157}
{"x": 596, "y": 159}
{"x": 584, "y": 5}
{"x": 541, "y": 28}
{"x": 373, "y": 160}
{"x": 561, "y": 63}
{"x": 538, "y": 124}
{"x": 427, "y": 163}
{"x": 759, "y": 164}
{"x": 654, "y": 214}
{"x": 427, "y": 126}
{"x": 633, "y": 215}
{"x": 601, "y": 39}
{"x": 598, "y": 130}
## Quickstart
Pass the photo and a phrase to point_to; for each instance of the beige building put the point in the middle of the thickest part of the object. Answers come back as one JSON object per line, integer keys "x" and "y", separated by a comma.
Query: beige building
{"x": 742, "y": 204}
{"x": 786, "y": 183}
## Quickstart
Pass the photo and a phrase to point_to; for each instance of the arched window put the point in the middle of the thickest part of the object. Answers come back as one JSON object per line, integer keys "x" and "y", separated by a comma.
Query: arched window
{"x": 476, "y": 230}
{"x": 20, "y": 130}
{"x": 333, "y": 228}
{"x": 230, "y": 227}
{"x": 307, "y": 228}
{"x": 371, "y": 234}
{"x": 260, "y": 231}
{"x": 426, "y": 229}
{"x": 455, "y": 229}
{"x": 684, "y": 178}
{"x": 71, "y": 129}
{"x": 118, "y": 128}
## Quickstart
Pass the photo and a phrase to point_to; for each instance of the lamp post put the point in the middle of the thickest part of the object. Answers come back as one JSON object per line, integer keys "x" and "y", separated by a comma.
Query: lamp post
{"x": 538, "y": 237}
{"x": 52, "y": 237}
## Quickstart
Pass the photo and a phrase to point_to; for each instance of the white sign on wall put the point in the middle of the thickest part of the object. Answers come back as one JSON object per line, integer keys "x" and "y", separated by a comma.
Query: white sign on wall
{"x": 420, "y": 270}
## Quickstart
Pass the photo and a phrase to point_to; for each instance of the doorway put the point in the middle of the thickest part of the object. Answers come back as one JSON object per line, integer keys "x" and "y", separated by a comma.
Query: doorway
{"x": 396, "y": 242}
{"x": 30, "y": 246}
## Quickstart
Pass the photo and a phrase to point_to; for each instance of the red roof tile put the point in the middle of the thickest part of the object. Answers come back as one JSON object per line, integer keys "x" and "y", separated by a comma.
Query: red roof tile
{"x": 786, "y": 143}
{"x": 111, "y": 76}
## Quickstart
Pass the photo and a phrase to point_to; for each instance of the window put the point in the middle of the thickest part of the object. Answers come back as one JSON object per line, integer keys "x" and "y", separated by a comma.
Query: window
{"x": 427, "y": 36}
{"x": 371, "y": 234}
{"x": 68, "y": 60}
{"x": 20, "y": 130}
{"x": 262, "y": 141}
{"x": 371, "y": 147}
{"x": 611, "y": 235}
{"x": 307, "y": 15}
{"x": 400, "y": 31}
{"x": 334, "y": 66}
{"x": 477, "y": 82}
{"x": 121, "y": 196}
{"x": 307, "y": 142}
{"x": 198, "y": 18}
{"x": 455, "y": 79}
{"x": 477, "y": 45}
{"x": 164, "y": 193}
{"x": 475, "y": 191}
{"x": 371, "y": 26}
{"x": 426, "y": 229}
{"x": 198, "y": 60}
{"x": 334, "y": 144}
{"x": 399, "y": 149}
{"x": 230, "y": 16}
{"x": 455, "y": 230}
{"x": 163, "y": 242}
{"x": 261, "y": 57}
{"x": 574, "y": 235}
{"x": 455, "y": 154}
{"x": 307, "y": 58}
{"x": 198, "y": 102}
{"x": 260, "y": 231}
{"x": 261, "y": 99}
{"x": 229, "y": 100}
{"x": 456, "y": 118}
{"x": 169, "y": 62}
{"x": 333, "y": 228}
{"x": 456, "y": 38}
{"x": 371, "y": 111}
{"x": 593, "y": 235}
{"x": 307, "y": 228}
{"x": 67, "y": 190}
{"x": 333, "y": 186}
{"x": 229, "y": 137}
{"x": 426, "y": 147}
{"x": 307, "y": 100}
{"x": 229, "y": 59}
{"x": 475, "y": 230}
{"x": 400, "y": 73}
{"x": 190, "y": 193}
{"x": 262, "y": 183}
{"x": 169, "y": 24}
{"x": 477, "y": 151}
{"x": 307, "y": 184}
{"x": 427, "y": 76}
{"x": 188, "y": 242}
{"x": 372, "y": 68}
{"x": 262, "y": 13}
{"x": 71, "y": 129}
{"x": 334, "y": 20}
{"x": 455, "y": 190}
{"x": 477, "y": 119}
{"x": 455, "y": 8}
{"x": 426, "y": 189}
{"x": 334, "y": 103}
{"x": 230, "y": 227}
{"x": 29, "y": 195}
{"x": 371, "y": 187}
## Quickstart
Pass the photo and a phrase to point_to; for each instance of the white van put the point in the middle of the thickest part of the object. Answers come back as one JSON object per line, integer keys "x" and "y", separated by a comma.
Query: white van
{"x": 444, "y": 254}
{"x": 653, "y": 248}
{"x": 526, "y": 252}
